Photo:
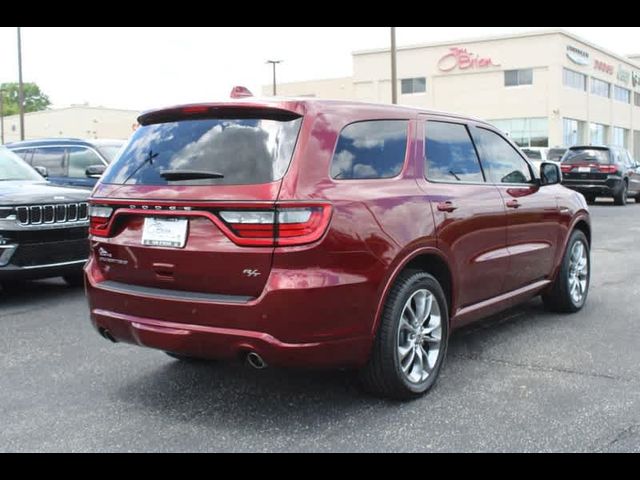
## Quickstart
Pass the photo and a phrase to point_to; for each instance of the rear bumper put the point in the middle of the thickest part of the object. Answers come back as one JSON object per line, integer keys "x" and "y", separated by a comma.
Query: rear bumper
{"x": 608, "y": 187}
{"x": 316, "y": 323}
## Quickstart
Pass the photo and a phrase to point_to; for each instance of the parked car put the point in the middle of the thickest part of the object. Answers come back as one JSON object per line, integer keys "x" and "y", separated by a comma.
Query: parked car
{"x": 602, "y": 171}
{"x": 69, "y": 161}
{"x": 43, "y": 228}
{"x": 314, "y": 233}
{"x": 539, "y": 155}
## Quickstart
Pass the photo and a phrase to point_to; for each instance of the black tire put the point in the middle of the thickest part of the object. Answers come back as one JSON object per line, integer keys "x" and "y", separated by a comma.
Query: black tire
{"x": 383, "y": 374}
{"x": 620, "y": 198}
{"x": 637, "y": 198}
{"x": 14, "y": 286}
{"x": 558, "y": 298}
{"x": 74, "y": 279}
{"x": 591, "y": 199}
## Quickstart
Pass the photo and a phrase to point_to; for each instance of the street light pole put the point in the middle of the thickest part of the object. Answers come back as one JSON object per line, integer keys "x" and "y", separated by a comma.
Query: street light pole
{"x": 274, "y": 63}
{"x": 394, "y": 68}
{"x": 20, "y": 86}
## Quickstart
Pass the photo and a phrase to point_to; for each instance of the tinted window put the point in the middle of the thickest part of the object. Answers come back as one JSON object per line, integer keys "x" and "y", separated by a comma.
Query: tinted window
{"x": 24, "y": 154}
{"x": 532, "y": 154}
{"x": 450, "y": 154}
{"x": 51, "y": 158}
{"x": 370, "y": 150}
{"x": 80, "y": 159}
{"x": 110, "y": 152}
{"x": 502, "y": 162}
{"x": 240, "y": 151}
{"x": 586, "y": 155}
{"x": 13, "y": 167}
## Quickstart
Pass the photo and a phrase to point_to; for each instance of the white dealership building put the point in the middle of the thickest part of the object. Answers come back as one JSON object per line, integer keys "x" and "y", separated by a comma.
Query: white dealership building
{"x": 544, "y": 89}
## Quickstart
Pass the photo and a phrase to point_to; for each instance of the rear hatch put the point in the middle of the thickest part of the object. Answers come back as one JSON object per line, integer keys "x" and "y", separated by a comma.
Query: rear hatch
{"x": 190, "y": 204}
{"x": 587, "y": 163}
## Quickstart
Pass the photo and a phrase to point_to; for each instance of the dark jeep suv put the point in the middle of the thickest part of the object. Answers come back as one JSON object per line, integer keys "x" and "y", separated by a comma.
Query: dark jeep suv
{"x": 43, "y": 228}
{"x": 602, "y": 172}
{"x": 317, "y": 233}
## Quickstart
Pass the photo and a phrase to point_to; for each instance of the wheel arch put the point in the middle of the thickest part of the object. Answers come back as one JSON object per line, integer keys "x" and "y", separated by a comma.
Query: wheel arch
{"x": 429, "y": 260}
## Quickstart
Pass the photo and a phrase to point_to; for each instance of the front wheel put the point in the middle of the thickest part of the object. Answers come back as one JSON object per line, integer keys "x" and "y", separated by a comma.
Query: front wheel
{"x": 412, "y": 338}
{"x": 620, "y": 198}
{"x": 568, "y": 293}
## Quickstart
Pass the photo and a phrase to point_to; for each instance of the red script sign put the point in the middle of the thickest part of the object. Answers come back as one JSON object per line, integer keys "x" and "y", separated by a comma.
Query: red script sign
{"x": 462, "y": 59}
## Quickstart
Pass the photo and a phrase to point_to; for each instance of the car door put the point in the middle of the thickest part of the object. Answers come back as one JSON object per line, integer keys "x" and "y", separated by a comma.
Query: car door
{"x": 78, "y": 160}
{"x": 634, "y": 173}
{"x": 533, "y": 216}
{"x": 469, "y": 212}
{"x": 53, "y": 159}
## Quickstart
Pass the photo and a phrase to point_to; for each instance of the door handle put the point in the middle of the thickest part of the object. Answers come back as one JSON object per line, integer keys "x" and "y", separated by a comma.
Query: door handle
{"x": 513, "y": 204}
{"x": 447, "y": 207}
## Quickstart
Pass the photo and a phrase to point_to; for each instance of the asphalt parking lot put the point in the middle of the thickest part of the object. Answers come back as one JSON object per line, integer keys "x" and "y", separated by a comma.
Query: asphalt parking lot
{"x": 524, "y": 381}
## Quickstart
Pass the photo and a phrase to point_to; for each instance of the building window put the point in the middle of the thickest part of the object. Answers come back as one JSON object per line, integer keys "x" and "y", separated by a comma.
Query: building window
{"x": 515, "y": 78}
{"x": 575, "y": 80}
{"x": 600, "y": 88}
{"x": 622, "y": 94}
{"x": 370, "y": 150}
{"x": 620, "y": 136}
{"x": 526, "y": 132}
{"x": 598, "y": 134}
{"x": 572, "y": 132}
{"x": 414, "y": 85}
{"x": 636, "y": 99}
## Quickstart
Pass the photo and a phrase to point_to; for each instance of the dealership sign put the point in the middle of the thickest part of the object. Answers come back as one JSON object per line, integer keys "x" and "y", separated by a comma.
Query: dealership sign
{"x": 462, "y": 59}
{"x": 604, "y": 67}
{"x": 577, "y": 56}
{"x": 635, "y": 79}
{"x": 624, "y": 75}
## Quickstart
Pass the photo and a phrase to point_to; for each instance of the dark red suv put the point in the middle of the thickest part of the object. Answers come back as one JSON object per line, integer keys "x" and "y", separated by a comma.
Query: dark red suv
{"x": 313, "y": 233}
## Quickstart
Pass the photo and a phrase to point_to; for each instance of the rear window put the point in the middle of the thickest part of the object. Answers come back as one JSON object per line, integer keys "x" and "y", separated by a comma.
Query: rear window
{"x": 587, "y": 155}
{"x": 236, "y": 151}
{"x": 370, "y": 150}
{"x": 532, "y": 154}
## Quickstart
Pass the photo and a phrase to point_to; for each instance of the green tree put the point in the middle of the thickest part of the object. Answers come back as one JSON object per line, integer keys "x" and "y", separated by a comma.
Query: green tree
{"x": 34, "y": 99}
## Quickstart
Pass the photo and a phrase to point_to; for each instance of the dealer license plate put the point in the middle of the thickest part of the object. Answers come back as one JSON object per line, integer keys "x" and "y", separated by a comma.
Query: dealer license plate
{"x": 165, "y": 232}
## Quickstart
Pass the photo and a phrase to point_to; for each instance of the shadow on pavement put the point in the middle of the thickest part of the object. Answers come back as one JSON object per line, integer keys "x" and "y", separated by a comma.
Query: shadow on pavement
{"x": 19, "y": 294}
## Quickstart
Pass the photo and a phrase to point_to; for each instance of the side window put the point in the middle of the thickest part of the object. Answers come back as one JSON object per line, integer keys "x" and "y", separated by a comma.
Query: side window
{"x": 24, "y": 154}
{"x": 370, "y": 150}
{"x": 50, "y": 158}
{"x": 502, "y": 162}
{"x": 80, "y": 159}
{"x": 450, "y": 154}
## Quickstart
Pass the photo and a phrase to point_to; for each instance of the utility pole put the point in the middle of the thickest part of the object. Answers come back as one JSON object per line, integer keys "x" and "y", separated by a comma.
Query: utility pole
{"x": 274, "y": 63}
{"x": 394, "y": 68}
{"x": 20, "y": 86}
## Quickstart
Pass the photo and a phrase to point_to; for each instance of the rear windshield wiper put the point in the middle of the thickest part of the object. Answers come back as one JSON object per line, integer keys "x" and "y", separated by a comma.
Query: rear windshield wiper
{"x": 177, "y": 175}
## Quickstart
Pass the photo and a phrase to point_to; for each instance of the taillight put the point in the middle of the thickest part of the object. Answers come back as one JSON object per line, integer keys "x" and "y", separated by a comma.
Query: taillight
{"x": 284, "y": 226}
{"x": 611, "y": 169}
{"x": 99, "y": 223}
{"x": 566, "y": 168}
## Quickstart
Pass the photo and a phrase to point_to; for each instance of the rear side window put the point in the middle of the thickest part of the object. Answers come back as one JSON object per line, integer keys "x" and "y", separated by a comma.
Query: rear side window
{"x": 502, "y": 162}
{"x": 587, "y": 155}
{"x": 370, "y": 150}
{"x": 236, "y": 151}
{"x": 51, "y": 158}
{"x": 450, "y": 154}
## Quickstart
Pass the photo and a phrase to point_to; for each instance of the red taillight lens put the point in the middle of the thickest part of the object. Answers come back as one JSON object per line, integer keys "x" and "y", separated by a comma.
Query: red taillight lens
{"x": 99, "y": 220}
{"x": 285, "y": 226}
{"x": 566, "y": 168}
{"x": 608, "y": 169}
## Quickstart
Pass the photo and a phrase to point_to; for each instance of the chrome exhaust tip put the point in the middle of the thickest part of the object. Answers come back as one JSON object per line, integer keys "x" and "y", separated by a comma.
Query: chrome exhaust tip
{"x": 255, "y": 361}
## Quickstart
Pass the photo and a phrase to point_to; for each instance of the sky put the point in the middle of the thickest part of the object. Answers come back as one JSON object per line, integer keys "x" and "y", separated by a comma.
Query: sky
{"x": 147, "y": 67}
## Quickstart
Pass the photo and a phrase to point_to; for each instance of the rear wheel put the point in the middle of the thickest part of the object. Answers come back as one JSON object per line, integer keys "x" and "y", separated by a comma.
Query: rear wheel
{"x": 570, "y": 289}
{"x": 591, "y": 199}
{"x": 411, "y": 342}
{"x": 620, "y": 198}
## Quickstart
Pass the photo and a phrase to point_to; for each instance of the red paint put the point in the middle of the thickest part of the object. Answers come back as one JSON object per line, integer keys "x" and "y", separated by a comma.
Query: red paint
{"x": 318, "y": 304}
{"x": 462, "y": 59}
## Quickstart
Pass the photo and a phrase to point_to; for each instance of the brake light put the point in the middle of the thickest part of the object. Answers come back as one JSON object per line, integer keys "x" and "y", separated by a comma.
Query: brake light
{"x": 99, "y": 220}
{"x": 566, "y": 168}
{"x": 285, "y": 226}
{"x": 611, "y": 169}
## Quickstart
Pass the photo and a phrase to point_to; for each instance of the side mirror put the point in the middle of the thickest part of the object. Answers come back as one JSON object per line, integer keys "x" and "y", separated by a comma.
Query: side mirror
{"x": 42, "y": 171}
{"x": 550, "y": 174}
{"x": 95, "y": 171}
